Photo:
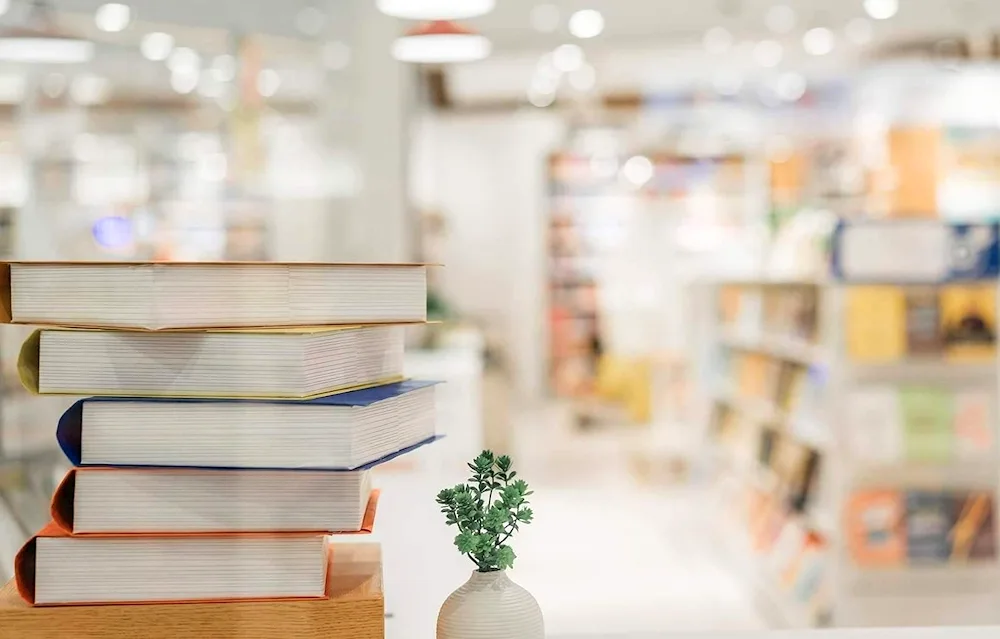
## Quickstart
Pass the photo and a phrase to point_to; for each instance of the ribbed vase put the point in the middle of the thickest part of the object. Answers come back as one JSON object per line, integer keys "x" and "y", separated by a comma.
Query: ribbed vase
{"x": 490, "y": 606}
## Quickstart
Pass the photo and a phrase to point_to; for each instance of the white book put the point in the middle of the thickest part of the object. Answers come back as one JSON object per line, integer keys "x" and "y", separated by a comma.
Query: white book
{"x": 280, "y": 363}
{"x": 201, "y": 501}
{"x": 348, "y": 431}
{"x": 53, "y": 569}
{"x": 875, "y": 425}
{"x": 161, "y": 295}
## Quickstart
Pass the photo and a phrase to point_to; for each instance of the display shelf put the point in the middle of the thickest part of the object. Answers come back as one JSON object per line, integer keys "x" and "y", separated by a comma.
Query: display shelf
{"x": 913, "y": 404}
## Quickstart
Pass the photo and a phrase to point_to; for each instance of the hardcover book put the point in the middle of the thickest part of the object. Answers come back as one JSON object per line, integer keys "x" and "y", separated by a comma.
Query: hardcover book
{"x": 973, "y": 526}
{"x": 927, "y": 423}
{"x": 928, "y": 526}
{"x": 973, "y": 424}
{"x": 875, "y": 527}
{"x": 349, "y": 431}
{"x": 876, "y": 323}
{"x": 968, "y": 321}
{"x": 874, "y": 424}
{"x": 923, "y": 323}
{"x": 167, "y": 295}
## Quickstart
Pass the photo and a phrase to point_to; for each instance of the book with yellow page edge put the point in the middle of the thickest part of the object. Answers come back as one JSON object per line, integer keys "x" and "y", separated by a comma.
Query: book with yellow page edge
{"x": 353, "y": 608}
{"x": 178, "y": 295}
{"x": 292, "y": 363}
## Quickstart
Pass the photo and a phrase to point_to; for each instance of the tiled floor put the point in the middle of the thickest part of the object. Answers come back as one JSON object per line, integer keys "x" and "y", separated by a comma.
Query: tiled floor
{"x": 603, "y": 557}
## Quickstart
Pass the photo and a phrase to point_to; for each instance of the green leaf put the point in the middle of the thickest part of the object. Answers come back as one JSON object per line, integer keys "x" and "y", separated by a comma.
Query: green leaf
{"x": 525, "y": 515}
{"x": 466, "y": 542}
{"x": 505, "y": 557}
{"x": 503, "y": 463}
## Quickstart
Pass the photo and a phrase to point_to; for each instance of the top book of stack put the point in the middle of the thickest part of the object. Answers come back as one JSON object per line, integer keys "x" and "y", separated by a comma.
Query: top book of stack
{"x": 177, "y": 295}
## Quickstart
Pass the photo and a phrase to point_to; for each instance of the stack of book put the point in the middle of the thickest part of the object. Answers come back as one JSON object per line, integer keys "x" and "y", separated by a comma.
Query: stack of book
{"x": 236, "y": 411}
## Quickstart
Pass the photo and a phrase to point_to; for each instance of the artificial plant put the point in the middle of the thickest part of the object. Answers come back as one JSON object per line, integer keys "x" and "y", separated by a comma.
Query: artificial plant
{"x": 487, "y": 510}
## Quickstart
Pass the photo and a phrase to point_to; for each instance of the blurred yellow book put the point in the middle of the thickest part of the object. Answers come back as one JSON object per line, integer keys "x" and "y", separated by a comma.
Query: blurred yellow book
{"x": 876, "y": 323}
{"x": 969, "y": 321}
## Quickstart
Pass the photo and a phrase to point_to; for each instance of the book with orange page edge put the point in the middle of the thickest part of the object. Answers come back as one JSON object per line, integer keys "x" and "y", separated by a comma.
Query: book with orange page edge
{"x": 24, "y": 561}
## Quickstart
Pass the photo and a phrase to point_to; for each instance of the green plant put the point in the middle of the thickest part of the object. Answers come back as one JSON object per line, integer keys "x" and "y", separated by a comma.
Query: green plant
{"x": 487, "y": 510}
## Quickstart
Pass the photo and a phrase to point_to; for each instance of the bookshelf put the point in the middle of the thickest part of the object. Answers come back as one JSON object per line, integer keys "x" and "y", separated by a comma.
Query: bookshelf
{"x": 771, "y": 442}
{"x": 915, "y": 386}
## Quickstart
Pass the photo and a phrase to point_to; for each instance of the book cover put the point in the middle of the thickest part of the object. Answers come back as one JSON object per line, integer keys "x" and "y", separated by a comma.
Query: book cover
{"x": 927, "y": 418}
{"x": 972, "y": 424}
{"x": 928, "y": 526}
{"x": 875, "y": 527}
{"x": 875, "y": 323}
{"x": 968, "y": 321}
{"x": 804, "y": 481}
{"x": 973, "y": 526}
{"x": 768, "y": 442}
{"x": 809, "y": 576}
{"x": 923, "y": 322}
{"x": 804, "y": 309}
{"x": 874, "y": 424}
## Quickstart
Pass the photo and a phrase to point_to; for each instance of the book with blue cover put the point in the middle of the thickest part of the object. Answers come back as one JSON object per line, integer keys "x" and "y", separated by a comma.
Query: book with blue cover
{"x": 347, "y": 431}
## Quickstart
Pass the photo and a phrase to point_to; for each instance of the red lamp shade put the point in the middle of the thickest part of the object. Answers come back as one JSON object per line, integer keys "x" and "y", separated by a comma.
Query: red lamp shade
{"x": 440, "y": 42}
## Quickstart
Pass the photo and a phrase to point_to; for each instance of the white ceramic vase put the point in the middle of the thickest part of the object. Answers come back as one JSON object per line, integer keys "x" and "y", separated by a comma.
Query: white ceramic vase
{"x": 490, "y": 606}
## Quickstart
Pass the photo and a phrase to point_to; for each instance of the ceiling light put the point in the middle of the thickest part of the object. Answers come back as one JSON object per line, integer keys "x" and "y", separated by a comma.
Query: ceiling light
{"x": 638, "y": 170}
{"x": 156, "y": 46}
{"x": 768, "y": 53}
{"x": 881, "y": 9}
{"x": 224, "y": 68}
{"x": 780, "y": 18}
{"x": 89, "y": 89}
{"x": 310, "y": 21}
{"x": 183, "y": 59}
{"x": 435, "y": 9}
{"x": 790, "y": 87}
{"x": 112, "y": 17}
{"x": 818, "y": 41}
{"x": 268, "y": 82}
{"x": 586, "y": 23}
{"x": 545, "y": 18}
{"x": 336, "y": 55}
{"x": 29, "y": 46}
{"x": 567, "y": 58}
{"x": 718, "y": 40}
{"x": 583, "y": 79}
{"x": 541, "y": 100}
{"x": 859, "y": 31}
{"x": 440, "y": 42}
{"x": 185, "y": 81}
{"x": 4, "y": 6}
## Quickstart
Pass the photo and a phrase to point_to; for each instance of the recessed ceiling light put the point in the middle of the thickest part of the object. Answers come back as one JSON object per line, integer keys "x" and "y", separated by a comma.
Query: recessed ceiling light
{"x": 768, "y": 53}
{"x": 638, "y": 170}
{"x": 545, "y": 18}
{"x": 586, "y": 23}
{"x": 718, "y": 40}
{"x": 185, "y": 81}
{"x": 183, "y": 59}
{"x": 882, "y": 9}
{"x": 567, "y": 58}
{"x": 156, "y": 46}
{"x": 112, "y": 17}
{"x": 818, "y": 41}
{"x": 435, "y": 9}
{"x": 441, "y": 42}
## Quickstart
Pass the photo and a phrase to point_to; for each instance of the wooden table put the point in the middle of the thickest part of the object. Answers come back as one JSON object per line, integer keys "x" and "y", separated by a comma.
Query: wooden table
{"x": 354, "y": 610}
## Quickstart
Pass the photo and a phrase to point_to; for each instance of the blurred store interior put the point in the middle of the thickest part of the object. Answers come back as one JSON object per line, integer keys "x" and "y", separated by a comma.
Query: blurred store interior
{"x": 633, "y": 202}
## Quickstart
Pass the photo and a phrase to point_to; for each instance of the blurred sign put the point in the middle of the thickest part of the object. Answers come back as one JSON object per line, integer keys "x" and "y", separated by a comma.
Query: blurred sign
{"x": 917, "y": 251}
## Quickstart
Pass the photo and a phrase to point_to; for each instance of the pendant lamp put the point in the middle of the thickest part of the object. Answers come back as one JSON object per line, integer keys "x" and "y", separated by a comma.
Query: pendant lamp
{"x": 440, "y": 42}
{"x": 39, "y": 41}
{"x": 435, "y": 9}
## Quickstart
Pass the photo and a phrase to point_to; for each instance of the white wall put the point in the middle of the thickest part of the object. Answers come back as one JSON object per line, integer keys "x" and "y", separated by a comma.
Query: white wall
{"x": 487, "y": 175}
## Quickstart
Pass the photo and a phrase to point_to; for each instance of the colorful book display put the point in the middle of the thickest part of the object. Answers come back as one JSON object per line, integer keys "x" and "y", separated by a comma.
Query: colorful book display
{"x": 219, "y": 449}
{"x": 891, "y": 528}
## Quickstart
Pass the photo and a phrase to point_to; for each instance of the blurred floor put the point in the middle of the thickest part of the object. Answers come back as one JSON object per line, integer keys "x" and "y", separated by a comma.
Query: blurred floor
{"x": 604, "y": 556}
